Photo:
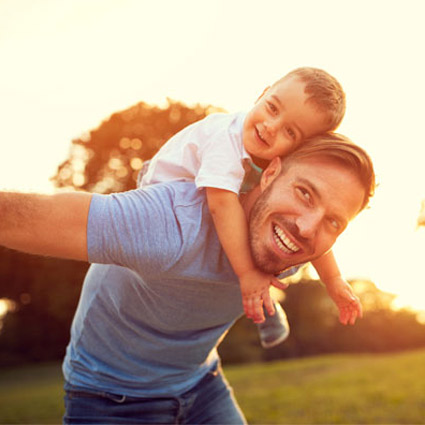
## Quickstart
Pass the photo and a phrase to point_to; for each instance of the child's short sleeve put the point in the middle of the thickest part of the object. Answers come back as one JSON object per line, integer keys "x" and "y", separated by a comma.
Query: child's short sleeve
{"x": 209, "y": 152}
{"x": 221, "y": 157}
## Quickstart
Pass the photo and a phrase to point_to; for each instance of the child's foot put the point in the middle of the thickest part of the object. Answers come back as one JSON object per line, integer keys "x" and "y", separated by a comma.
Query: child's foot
{"x": 275, "y": 329}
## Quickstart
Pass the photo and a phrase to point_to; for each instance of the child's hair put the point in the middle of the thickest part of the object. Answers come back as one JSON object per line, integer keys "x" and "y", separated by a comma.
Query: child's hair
{"x": 338, "y": 148}
{"x": 324, "y": 91}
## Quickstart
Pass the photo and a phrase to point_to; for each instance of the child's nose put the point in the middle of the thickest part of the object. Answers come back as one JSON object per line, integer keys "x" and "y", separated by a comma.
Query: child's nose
{"x": 271, "y": 127}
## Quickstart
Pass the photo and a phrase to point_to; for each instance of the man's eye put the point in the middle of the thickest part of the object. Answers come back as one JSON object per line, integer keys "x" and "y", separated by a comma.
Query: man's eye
{"x": 334, "y": 223}
{"x": 305, "y": 194}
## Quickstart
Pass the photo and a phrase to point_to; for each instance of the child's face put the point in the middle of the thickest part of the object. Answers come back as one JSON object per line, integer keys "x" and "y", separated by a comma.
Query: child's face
{"x": 280, "y": 120}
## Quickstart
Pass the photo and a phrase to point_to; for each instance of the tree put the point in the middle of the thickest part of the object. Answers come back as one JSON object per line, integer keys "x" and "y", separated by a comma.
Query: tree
{"x": 109, "y": 158}
{"x": 315, "y": 328}
{"x": 44, "y": 292}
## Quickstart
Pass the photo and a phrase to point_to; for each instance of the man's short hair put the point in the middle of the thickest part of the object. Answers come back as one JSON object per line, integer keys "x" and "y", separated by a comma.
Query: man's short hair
{"x": 340, "y": 149}
{"x": 324, "y": 91}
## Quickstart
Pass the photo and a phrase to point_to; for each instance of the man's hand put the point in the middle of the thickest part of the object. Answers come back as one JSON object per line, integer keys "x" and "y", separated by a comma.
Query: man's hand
{"x": 255, "y": 289}
{"x": 348, "y": 303}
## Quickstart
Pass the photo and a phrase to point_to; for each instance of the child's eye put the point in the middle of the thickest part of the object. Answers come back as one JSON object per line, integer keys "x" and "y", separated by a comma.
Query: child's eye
{"x": 291, "y": 133}
{"x": 272, "y": 107}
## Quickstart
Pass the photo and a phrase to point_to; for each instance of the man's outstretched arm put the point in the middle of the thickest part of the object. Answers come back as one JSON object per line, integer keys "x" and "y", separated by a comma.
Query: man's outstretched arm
{"x": 52, "y": 225}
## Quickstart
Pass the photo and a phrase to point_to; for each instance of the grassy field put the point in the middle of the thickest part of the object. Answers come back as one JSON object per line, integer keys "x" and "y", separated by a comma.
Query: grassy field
{"x": 336, "y": 389}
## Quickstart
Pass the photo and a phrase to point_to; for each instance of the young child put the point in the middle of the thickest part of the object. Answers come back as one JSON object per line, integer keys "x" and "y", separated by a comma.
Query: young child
{"x": 217, "y": 151}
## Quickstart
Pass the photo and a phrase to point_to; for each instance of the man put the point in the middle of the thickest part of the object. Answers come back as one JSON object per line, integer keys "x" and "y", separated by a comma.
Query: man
{"x": 161, "y": 294}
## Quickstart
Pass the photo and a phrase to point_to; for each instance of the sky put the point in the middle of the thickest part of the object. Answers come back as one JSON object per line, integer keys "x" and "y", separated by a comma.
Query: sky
{"x": 67, "y": 65}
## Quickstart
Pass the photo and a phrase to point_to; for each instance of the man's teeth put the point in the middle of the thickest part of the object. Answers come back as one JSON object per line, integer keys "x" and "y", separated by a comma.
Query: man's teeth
{"x": 283, "y": 241}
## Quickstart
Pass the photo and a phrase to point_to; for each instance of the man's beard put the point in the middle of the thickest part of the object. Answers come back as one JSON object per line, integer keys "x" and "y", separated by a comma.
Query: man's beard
{"x": 265, "y": 258}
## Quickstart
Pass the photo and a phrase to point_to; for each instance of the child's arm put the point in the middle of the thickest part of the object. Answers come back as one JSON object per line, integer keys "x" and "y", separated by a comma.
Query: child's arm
{"x": 232, "y": 229}
{"x": 339, "y": 289}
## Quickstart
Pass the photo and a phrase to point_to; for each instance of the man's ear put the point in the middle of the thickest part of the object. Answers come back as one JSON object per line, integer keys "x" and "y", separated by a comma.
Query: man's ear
{"x": 271, "y": 172}
{"x": 262, "y": 94}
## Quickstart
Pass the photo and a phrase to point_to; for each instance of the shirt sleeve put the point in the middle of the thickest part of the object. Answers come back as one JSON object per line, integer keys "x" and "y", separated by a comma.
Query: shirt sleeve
{"x": 135, "y": 229}
{"x": 289, "y": 272}
{"x": 221, "y": 162}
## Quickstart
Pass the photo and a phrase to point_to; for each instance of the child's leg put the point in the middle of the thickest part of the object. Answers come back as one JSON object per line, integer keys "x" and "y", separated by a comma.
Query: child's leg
{"x": 275, "y": 329}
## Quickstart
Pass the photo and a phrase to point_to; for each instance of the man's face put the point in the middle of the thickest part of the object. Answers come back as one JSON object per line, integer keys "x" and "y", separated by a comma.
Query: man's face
{"x": 280, "y": 120}
{"x": 301, "y": 212}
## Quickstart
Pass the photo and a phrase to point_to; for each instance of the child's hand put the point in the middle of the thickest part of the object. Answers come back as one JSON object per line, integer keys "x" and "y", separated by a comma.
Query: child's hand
{"x": 255, "y": 289}
{"x": 348, "y": 304}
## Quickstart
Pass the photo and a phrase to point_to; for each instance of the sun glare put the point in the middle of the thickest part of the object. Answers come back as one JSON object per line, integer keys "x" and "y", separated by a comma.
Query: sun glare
{"x": 151, "y": 55}
{"x": 6, "y": 305}
{"x": 3, "y": 308}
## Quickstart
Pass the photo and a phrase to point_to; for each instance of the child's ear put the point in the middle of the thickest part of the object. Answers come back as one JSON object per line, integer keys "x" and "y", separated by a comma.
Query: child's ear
{"x": 262, "y": 94}
{"x": 271, "y": 172}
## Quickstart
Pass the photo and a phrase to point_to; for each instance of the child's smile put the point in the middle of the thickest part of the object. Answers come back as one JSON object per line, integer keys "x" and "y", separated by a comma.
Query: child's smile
{"x": 280, "y": 120}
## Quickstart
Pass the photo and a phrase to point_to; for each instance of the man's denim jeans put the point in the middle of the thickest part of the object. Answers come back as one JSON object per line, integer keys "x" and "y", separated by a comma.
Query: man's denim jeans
{"x": 210, "y": 402}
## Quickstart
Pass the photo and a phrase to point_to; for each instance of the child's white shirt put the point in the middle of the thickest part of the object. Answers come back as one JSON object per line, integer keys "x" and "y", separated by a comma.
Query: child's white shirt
{"x": 209, "y": 152}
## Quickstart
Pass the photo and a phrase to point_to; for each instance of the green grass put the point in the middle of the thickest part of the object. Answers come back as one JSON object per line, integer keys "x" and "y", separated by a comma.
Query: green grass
{"x": 337, "y": 389}
{"x": 334, "y": 389}
{"x": 31, "y": 394}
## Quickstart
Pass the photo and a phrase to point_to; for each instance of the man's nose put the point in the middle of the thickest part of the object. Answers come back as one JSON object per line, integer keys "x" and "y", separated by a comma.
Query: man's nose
{"x": 309, "y": 224}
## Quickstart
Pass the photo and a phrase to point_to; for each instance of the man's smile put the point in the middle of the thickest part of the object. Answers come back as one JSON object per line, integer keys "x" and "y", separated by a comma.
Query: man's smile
{"x": 283, "y": 241}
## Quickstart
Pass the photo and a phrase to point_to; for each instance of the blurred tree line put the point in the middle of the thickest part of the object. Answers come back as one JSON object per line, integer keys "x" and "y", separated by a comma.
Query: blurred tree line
{"x": 43, "y": 292}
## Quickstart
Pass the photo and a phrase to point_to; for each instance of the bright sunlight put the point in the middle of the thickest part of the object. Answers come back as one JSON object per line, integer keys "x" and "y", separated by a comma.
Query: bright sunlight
{"x": 66, "y": 66}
